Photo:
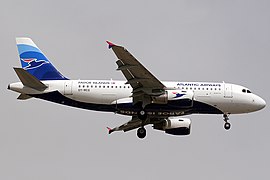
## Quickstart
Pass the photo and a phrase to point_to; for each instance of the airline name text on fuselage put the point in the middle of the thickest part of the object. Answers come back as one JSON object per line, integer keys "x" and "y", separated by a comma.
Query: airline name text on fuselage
{"x": 200, "y": 84}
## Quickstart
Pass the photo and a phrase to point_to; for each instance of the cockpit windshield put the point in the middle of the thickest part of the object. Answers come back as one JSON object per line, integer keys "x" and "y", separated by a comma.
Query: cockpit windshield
{"x": 246, "y": 91}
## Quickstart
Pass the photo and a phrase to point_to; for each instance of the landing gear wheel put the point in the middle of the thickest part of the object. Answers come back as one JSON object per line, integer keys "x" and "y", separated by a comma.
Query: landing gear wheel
{"x": 141, "y": 132}
{"x": 227, "y": 126}
{"x": 142, "y": 115}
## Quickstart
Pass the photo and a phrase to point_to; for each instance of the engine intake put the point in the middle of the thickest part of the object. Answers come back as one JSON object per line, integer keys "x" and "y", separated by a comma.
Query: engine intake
{"x": 175, "y": 126}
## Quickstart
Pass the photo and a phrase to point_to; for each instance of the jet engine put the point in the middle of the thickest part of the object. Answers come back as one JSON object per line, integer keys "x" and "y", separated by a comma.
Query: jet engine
{"x": 175, "y": 126}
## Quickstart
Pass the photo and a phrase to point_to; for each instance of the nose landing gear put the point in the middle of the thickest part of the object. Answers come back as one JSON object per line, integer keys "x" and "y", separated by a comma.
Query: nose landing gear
{"x": 227, "y": 125}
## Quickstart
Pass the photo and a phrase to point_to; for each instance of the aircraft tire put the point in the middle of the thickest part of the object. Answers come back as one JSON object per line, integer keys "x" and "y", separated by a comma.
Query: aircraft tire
{"x": 227, "y": 126}
{"x": 141, "y": 133}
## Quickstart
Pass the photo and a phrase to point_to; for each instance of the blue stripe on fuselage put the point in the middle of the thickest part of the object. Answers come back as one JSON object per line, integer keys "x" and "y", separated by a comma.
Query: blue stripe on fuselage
{"x": 173, "y": 106}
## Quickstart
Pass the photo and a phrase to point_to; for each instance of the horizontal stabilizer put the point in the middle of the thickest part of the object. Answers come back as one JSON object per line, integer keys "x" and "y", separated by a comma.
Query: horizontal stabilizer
{"x": 29, "y": 80}
{"x": 24, "y": 97}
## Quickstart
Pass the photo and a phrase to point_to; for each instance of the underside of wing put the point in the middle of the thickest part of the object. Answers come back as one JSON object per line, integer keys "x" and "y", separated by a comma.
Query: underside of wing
{"x": 143, "y": 82}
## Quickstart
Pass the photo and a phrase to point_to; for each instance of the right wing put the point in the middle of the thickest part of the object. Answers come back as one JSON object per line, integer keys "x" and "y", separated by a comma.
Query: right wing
{"x": 134, "y": 123}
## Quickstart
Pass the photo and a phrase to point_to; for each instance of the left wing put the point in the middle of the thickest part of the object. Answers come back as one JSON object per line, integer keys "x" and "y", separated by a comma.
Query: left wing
{"x": 144, "y": 83}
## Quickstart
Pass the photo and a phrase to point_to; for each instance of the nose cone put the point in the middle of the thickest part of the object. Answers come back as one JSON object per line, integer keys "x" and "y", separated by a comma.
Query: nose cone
{"x": 259, "y": 103}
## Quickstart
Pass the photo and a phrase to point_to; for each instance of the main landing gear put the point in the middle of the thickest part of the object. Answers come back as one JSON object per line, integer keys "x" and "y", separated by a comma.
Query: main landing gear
{"x": 141, "y": 132}
{"x": 142, "y": 115}
{"x": 227, "y": 125}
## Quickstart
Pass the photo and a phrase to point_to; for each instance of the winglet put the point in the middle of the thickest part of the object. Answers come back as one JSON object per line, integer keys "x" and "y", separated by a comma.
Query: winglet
{"x": 110, "y": 130}
{"x": 110, "y": 44}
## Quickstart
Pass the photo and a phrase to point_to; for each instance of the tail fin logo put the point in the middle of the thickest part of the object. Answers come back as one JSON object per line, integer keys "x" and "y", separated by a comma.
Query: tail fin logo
{"x": 33, "y": 63}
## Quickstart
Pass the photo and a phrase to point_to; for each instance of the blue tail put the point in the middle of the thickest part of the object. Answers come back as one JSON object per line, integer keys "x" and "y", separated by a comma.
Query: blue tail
{"x": 35, "y": 62}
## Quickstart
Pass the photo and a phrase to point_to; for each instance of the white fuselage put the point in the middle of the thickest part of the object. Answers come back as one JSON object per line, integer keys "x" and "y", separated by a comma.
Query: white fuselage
{"x": 228, "y": 98}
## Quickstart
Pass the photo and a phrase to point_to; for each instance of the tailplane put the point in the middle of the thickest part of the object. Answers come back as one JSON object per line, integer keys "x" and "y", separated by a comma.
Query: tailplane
{"x": 35, "y": 62}
{"x": 29, "y": 80}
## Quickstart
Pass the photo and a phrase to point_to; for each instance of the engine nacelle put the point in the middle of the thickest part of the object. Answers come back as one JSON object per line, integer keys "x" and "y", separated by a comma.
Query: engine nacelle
{"x": 175, "y": 126}
{"x": 173, "y": 95}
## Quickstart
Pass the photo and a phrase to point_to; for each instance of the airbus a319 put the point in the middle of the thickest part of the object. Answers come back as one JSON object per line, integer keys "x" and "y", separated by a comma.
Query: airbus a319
{"x": 142, "y": 96}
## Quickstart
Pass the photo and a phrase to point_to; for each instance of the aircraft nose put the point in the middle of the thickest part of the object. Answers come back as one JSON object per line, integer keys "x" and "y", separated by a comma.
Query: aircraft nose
{"x": 260, "y": 103}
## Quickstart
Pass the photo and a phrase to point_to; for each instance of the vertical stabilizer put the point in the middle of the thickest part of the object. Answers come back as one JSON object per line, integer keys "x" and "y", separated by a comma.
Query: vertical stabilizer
{"x": 35, "y": 62}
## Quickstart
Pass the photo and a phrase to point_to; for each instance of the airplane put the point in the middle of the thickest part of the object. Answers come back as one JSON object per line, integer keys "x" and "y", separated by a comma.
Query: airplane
{"x": 143, "y": 97}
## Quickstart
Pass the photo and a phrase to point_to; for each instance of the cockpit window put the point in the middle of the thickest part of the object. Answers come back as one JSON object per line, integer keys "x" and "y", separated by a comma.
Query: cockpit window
{"x": 246, "y": 91}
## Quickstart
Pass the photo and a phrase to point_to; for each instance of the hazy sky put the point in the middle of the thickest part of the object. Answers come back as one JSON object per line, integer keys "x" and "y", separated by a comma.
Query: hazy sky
{"x": 182, "y": 40}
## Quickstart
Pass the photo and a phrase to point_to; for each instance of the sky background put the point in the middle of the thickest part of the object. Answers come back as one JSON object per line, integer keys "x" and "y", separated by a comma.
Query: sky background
{"x": 181, "y": 40}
